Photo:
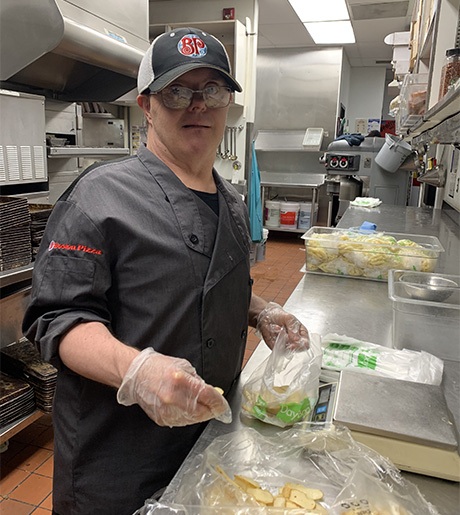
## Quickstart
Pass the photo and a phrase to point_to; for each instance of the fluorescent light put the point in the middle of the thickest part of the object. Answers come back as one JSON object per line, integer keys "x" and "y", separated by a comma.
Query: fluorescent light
{"x": 320, "y": 10}
{"x": 331, "y": 32}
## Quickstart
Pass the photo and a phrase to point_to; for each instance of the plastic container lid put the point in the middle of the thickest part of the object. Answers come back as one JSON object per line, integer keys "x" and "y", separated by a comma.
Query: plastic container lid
{"x": 290, "y": 205}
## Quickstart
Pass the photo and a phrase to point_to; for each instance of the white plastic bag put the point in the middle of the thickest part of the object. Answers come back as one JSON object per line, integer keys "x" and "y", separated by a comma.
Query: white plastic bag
{"x": 284, "y": 389}
{"x": 341, "y": 352}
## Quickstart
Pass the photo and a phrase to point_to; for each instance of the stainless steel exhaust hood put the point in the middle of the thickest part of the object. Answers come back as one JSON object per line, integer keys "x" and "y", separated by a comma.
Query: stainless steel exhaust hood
{"x": 72, "y": 50}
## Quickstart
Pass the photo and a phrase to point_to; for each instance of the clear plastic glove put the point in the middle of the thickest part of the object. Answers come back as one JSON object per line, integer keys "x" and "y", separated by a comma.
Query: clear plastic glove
{"x": 170, "y": 391}
{"x": 270, "y": 321}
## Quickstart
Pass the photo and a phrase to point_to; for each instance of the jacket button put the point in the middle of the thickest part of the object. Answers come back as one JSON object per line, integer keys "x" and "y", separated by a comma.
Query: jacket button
{"x": 244, "y": 333}
{"x": 194, "y": 238}
{"x": 210, "y": 342}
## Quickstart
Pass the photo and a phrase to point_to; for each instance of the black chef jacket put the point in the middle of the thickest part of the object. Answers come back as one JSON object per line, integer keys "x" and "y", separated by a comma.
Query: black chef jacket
{"x": 130, "y": 246}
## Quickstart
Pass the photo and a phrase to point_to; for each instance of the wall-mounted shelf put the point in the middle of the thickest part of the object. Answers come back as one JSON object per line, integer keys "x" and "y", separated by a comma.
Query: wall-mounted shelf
{"x": 281, "y": 141}
{"x": 68, "y": 151}
{"x": 439, "y": 124}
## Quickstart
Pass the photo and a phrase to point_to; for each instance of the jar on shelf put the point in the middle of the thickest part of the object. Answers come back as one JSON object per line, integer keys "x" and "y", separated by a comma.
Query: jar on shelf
{"x": 450, "y": 71}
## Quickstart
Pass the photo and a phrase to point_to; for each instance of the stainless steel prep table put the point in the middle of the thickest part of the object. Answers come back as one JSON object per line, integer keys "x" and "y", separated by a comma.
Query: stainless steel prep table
{"x": 361, "y": 309}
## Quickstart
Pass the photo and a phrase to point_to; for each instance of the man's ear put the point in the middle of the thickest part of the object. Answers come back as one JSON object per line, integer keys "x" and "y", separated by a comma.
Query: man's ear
{"x": 143, "y": 101}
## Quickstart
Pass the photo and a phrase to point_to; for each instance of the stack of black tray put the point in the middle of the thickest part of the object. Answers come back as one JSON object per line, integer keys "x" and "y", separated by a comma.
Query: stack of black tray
{"x": 15, "y": 245}
{"x": 16, "y": 399}
{"x": 39, "y": 214}
{"x": 21, "y": 359}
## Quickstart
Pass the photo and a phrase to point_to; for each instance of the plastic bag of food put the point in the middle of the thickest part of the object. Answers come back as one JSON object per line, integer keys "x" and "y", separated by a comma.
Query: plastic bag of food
{"x": 304, "y": 469}
{"x": 340, "y": 352}
{"x": 284, "y": 388}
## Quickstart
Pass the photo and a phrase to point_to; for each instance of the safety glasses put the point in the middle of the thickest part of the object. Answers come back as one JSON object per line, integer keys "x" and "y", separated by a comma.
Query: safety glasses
{"x": 179, "y": 97}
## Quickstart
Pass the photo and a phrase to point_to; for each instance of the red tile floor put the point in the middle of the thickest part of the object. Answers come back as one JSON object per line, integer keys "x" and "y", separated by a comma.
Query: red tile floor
{"x": 27, "y": 464}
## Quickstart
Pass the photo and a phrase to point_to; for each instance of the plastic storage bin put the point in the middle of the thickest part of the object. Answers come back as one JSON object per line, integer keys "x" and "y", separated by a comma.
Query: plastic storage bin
{"x": 368, "y": 255}
{"x": 272, "y": 213}
{"x": 413, "y": 98}
{"x": 304, "y": 221}
{"x": 289, "y": 214}
{"x": 426, "y": 318}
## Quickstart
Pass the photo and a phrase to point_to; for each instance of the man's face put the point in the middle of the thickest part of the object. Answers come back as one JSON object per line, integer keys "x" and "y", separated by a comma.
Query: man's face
{"x": 193, "y": 132}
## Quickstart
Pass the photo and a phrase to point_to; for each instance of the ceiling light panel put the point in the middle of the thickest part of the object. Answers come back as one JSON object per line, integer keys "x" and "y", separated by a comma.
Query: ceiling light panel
{"x": 331, "y": 32}
{"x": 323, "y": 10}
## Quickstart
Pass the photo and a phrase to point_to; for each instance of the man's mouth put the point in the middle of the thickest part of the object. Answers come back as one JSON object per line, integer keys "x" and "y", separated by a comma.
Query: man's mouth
{"x": 195, "y": 126}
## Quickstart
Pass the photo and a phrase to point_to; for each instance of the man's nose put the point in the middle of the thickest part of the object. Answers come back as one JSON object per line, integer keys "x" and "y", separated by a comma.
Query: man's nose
{"x": 197, "y": 100}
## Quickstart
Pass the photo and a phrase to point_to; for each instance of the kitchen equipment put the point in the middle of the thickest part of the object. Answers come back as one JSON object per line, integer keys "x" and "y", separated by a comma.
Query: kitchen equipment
{"x": 77, "y": 51}
{"x": 431, "y": 325}
{"x": 354, "y": 171}
{"x": 408, "y": 422}
{"x": 368, "y": 255}
{"x": 22, "y": 138}
{"x": 428, "y": 286}
{"x": 393, "y": 153}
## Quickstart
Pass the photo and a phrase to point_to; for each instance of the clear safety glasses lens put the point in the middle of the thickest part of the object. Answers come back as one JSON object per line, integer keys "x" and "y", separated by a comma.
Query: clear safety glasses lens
{"x": 178, "y": 97}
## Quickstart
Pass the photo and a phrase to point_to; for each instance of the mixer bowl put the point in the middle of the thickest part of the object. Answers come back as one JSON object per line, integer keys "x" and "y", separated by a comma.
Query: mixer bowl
{"x": 427, "y": 286}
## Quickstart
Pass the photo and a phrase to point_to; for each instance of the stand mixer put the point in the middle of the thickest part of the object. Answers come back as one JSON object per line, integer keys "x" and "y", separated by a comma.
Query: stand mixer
{"x": 353, "y": 172}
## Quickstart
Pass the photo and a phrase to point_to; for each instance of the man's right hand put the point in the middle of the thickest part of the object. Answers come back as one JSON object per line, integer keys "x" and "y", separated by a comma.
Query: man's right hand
{"x": 170, "y": 391}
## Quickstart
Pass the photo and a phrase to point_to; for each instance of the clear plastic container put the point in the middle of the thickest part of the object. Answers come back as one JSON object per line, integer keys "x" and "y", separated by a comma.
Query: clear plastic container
{"x": 413, "y": 99}
{"x": 450, "y": 71}
{"x": 426, "y": 317}
{"x": 367, "y": 254}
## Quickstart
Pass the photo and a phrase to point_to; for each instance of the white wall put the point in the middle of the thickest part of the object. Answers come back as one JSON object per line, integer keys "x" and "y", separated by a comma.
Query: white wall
{"x": 195, "y": 11}
{"x": 344, "y": 88}
{"x": 366, "y": 94}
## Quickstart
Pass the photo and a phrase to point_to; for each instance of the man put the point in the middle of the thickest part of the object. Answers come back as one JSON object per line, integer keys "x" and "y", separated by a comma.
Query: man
{"x": 142, "y": 291}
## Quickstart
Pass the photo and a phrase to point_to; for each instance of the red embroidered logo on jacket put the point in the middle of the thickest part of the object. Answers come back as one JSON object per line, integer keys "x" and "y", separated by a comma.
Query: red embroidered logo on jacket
{"x": 69, "y": 246}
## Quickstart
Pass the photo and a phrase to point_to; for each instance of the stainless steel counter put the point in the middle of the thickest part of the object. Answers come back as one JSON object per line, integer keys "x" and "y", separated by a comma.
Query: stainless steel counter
{"x": 361, "y": 309}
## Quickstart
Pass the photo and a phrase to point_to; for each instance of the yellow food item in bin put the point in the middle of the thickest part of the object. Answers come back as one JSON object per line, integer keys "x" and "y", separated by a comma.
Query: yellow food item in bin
{"x": 364, "y": 255}
{"x": 293, "y": 496}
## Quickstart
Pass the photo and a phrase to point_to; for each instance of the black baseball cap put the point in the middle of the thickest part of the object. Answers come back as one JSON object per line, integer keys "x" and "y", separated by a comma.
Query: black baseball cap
{"x": 177, "y": 52}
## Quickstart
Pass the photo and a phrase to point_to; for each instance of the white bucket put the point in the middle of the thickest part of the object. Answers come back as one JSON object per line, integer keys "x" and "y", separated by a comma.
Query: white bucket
{"x": 272, "y": 213}
{"x": 304, "y": 215}
{"x": 393, "y": 153}
{"x": 289, "y": 213}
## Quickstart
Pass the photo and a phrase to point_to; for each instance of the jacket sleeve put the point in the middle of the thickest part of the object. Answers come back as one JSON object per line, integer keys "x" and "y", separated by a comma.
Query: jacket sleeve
{"x": 70, "y": 281}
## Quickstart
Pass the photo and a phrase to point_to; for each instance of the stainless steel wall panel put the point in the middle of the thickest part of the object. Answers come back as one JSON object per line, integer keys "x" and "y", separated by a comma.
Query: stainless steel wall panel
{"x": 297, "y": 88}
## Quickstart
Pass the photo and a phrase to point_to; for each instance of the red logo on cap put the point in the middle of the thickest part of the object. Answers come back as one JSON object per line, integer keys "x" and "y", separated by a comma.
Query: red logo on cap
{"x": 192, "y": 46}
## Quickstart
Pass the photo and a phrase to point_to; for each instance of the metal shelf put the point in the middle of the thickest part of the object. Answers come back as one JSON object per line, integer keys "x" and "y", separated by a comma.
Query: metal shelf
{"x": 285, "y": 229}
{"x": 292, "y": 180}
{"x": 438, "y": 123}
{"x": 12, "y": 429}
{"x": 16, "y": 275}
{"x": 68, "y": 151}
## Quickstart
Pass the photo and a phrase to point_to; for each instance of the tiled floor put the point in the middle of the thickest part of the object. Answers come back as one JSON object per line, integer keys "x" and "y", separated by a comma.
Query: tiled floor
{"x": 27, "y": 465}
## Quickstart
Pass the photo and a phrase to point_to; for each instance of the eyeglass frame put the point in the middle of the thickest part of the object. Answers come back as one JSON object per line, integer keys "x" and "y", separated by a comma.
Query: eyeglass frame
{"x": 194, "y": 91}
